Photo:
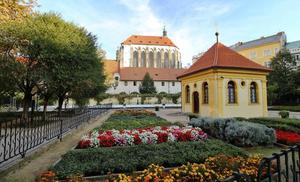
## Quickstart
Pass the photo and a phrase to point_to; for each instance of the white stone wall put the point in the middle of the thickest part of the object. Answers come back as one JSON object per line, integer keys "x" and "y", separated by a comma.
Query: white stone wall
{"x": 168, "y": 87}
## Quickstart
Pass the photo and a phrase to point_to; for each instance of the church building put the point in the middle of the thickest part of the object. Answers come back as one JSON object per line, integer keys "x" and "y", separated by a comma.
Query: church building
{"x": 223, "y": 83}
{"x": 139, "y": 54}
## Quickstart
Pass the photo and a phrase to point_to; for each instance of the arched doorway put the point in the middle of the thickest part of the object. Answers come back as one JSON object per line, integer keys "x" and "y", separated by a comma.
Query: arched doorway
{"x": 195, "y": 102}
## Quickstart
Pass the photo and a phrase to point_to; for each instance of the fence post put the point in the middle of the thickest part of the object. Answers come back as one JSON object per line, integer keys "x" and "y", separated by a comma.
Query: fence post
{"x": 61, "y": 129}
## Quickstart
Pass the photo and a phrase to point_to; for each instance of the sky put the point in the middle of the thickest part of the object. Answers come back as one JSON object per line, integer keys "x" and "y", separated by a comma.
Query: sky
{"x": 191, "y": 24}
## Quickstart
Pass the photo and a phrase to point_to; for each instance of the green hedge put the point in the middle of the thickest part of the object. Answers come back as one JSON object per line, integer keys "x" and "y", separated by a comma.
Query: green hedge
{"x": 240, "y": 133}
{"x": 127, "y": 121}
{"x": 285, "y": 124}
{"x": 100, "y": 161}
{"x": 288, "y": 108}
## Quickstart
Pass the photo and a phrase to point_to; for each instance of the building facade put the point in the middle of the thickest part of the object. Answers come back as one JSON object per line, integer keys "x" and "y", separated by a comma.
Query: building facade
{"x": 223, "y": 83}
{"x": 261, "y": 50}
{"x": 294, "y": 48}
{"x": 140, "y": 54}
{"x": 149, "y": 52}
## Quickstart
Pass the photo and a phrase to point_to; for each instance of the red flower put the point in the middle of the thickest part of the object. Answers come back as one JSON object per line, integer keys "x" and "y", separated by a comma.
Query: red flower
{"x": 84, "y": 144}
{"x": 137, "y": 139}
{"x": 162, "y": 137}
{"x": 106, "y": 140}
{"x": 287, "y": 137}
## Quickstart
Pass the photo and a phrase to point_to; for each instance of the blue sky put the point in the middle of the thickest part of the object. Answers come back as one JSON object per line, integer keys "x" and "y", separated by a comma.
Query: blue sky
{"x": 191, "y": 24}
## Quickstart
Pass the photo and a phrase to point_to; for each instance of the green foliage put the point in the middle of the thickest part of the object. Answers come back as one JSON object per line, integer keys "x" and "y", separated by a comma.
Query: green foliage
{"x": 240, "y": 133}
{"x": 129, "y": 121}
{"x": 283, "y": 84}
{"x": 284, "y": 114}
{"x": 100, "y": 161}
{"x": 147, "y": 86}
{"x": 295, "y": 108}
{"x": 286, "y": 124}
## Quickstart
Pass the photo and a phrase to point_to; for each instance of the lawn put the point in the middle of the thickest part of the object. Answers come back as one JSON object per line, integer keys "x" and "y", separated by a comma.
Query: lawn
{"x": 133, "y": 119}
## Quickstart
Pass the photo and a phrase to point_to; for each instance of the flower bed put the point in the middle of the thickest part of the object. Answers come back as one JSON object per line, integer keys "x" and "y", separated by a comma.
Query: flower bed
{"x": 212, "y": 169}
{"x": 153, "y": 135}
{"x": 287, "y": 137}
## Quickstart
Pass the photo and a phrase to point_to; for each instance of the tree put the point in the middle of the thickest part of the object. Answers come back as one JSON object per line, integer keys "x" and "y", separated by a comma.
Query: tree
{"x": 282, "y": 84}
{"x": 147, "y": 86}
{"x": 15, "y": 9}
{"x": 45, "y": 54}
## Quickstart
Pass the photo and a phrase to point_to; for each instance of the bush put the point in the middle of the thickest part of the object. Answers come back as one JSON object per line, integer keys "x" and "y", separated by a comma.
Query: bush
{"x": 284, "y": 114}
{"x": 288, "y": 108}
{"x": 100, "y": 161}
{"x": 239, "y": 133}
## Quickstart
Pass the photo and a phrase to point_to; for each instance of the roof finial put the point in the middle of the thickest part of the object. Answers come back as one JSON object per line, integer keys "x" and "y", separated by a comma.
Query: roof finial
{"x": 164, "y": 32}
{"x": 217, "y": 35}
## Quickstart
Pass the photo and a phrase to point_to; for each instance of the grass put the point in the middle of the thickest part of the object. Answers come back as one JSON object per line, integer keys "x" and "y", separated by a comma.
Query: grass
{"x": 288, "y": 108}
{"x": 265, "y": 151}
{"x": 130, "y": 121}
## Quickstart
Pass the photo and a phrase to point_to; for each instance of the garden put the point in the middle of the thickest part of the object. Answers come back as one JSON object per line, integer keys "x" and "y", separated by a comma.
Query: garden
{"x": 137, "y": 145}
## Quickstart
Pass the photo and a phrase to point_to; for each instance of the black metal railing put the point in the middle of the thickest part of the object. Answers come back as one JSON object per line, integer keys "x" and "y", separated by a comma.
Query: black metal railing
{"x": 18, "y": 136}
{"x": 280, "y": 167}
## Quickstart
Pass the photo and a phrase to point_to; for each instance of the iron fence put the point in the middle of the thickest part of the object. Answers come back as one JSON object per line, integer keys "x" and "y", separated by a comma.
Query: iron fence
{"x": 280, "y": 167}
{"x": 18, "y": 136}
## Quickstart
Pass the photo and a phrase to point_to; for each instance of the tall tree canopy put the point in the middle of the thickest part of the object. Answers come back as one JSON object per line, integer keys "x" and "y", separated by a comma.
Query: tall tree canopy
{"x": 147, "y": 86}
{"x": 48, "y": 55}
{"x": 15, "y": 9}
{"x": 282, "y": 85}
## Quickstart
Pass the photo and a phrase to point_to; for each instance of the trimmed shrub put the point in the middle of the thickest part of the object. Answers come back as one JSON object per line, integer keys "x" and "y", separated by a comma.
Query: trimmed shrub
{"x": 100, "y": 161}
{"x": 240, "y": 133}
{"x": 284, "y": 114}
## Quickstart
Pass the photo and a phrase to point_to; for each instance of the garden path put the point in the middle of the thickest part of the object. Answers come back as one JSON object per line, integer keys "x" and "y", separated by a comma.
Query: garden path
{"x": 172, "y": 115}
{"x": 32, "y": 166}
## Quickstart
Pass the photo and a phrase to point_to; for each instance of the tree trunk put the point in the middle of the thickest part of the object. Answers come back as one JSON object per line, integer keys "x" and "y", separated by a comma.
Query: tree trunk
{"x": 26, "y": 103}
{"x": 60, "y": 104}
{"x": 46, "y": 99}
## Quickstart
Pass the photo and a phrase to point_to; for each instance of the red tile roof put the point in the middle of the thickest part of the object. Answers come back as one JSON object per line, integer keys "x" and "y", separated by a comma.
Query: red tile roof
{"x": 220, "y": 56}
{"x": 157, "y": 74}
{"x": 149, "y": 40}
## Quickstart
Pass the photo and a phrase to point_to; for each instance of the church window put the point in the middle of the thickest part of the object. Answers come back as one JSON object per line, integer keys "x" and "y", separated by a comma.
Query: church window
{"x": 151, "y": 59}
{"x": 143, "y": 59}
{"x": 173, "y": 60}
{"x": 135, "y": 59}
{"x": 158, "y": 59}
{"x": 166, "y": 60}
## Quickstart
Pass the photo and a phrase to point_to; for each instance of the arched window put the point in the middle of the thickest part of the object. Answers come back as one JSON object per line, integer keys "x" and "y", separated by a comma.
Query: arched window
{"x": 231, "y": 92}
{"x": 143, "y": 59}
{"x": 205, "y": 93}
{"x": 158, "y": 59}
{"x": 253, "y": 92}
{"x": 166, "y": 60}
{"x": 187, "y": 94}
{"x": 135, "y": 59}
{"x": 173, "y": 60}
{"x": 151, "y": 59}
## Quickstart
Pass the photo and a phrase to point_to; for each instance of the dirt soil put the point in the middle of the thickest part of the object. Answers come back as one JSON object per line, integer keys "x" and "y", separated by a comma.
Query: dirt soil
{"x": 32, "y": 166}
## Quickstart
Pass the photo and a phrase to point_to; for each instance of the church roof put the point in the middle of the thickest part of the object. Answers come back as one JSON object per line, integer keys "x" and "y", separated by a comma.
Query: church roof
{"x": 157, "y": 74}
{"x": 148, "y": 40}
{"x": 220, "y": 56}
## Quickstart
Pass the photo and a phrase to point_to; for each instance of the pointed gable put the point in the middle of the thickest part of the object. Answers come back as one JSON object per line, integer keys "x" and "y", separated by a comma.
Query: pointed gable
{"x": 220, "y": 56}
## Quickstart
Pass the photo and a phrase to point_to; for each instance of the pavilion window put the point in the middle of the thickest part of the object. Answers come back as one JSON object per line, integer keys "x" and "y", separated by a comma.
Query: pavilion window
{"x": 253, "y": 92}
{"x": 231, "y": 92}
{"x": 187, "y": 94}
{"x": 205, "y": 93}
